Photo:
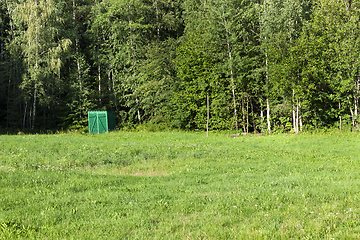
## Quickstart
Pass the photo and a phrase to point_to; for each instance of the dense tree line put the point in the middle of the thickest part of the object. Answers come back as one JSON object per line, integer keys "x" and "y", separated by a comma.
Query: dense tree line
{"x": 265, "y": 65}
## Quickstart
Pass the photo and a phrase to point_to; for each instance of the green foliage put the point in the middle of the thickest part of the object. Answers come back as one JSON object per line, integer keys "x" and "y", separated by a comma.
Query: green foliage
{"x": 156, "y": 82}
{"x": 41, "y": 50}
{"x": 321, "y": 60}
{"x": 197, "y": 69}
{"x": 157, "y": 61}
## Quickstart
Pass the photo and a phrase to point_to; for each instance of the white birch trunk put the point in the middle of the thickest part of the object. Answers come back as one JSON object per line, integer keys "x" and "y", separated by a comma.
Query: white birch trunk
{"x": 109, "y": 80}
{"x": 267, "y": 97}
{"x": 356, "y": 103}
{"x": 267, "y": 83}
{"x": 133, "y": 55}
{"x": 243, "y": 111}
{"x": 34, "y": 107}
{"x": 252, "y": 115}
{"x": 99, "y": 77}
{"x": 268, "y": 115}
{"x": 77, "y": 46}
{"x": 30, "y": 117}
{"x": 78, "y": 67}
{"x": 352, "y": 113}
{"x": 77, "y": 58}
{"x": 24, "y": 119}
{"x": 355, "y": 109}
{"x": 247, "y": 114}
{"x": 231, "y": 70}
{"x": 157, "y": 19}
{"x": 262, "y": 117}
{"x": 36, "y": 68}
{"x": 339, "y": 115}
{"x": 293, "y": 104}
{"x": 59, "y": 77}
{"x": 297, "y": 117}
{"x": 300, "y": 118}
{"x": 208, "y": 116}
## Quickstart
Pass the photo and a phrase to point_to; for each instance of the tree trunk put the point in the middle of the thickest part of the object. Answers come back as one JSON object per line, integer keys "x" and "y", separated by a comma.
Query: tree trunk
{"x": 297, "y": 117}
{"x": 138, "y": 111}
{"x": 356, "y": 103}
{"x": 243, "y": 111}
{"x": 247, "y": 114}
{"x": 99, "y": 77}
{"x": 268, "y": 115}
{"x": 134, "y": 57}
{"x": 253, "y": 117}
{"x": 267, "y": 83}
{"x": 293, "y": 105}
{"x": 208, "y": 116}
{"x": 111, "y": 75}
{"x": 34, "y": 108}
{"x": 267, "y": 97}
{"x": 59, "y": 78}
{"x": 157, "y": 24}
{"x": 231, "y": 69}
{"x": 36, "y": 70}
{"x": 339, "y": 116}
{"x": 24, "y": 119}
{"x": 300, "y": 118}
{"x": 29, "y": 118}
{"x": 352, "y": 113}
{"x": 77, "y": 59}
{"x": 261, "y": 117}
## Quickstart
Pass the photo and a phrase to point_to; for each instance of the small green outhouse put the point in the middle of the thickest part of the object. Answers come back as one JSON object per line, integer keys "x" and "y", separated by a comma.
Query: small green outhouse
{"x": 101, "y": 121}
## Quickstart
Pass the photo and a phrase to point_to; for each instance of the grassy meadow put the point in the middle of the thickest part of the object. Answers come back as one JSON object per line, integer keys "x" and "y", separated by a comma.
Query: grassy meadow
{"x": 177, "y": 185}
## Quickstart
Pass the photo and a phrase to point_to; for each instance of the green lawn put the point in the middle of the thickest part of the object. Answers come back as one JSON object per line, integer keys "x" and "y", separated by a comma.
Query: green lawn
{"x": 177, "y": 185}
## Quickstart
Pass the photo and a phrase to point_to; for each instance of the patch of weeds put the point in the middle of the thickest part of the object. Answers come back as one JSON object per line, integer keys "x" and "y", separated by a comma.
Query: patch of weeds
{"x": 14, "y": 230}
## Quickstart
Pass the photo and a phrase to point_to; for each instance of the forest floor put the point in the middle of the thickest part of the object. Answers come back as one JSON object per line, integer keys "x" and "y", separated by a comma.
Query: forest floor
{"x": 177, "y": 185}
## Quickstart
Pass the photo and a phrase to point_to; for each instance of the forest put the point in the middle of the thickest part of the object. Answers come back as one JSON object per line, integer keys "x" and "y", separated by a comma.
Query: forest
{"x": 258, "y": 66}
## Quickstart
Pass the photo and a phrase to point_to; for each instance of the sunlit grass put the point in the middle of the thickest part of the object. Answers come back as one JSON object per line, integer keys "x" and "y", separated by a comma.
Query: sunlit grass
{"x": 177, "y": 185}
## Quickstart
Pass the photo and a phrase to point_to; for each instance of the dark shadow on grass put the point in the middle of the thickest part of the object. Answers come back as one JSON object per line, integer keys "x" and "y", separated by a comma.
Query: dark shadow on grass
{"x": 17, "y": 131}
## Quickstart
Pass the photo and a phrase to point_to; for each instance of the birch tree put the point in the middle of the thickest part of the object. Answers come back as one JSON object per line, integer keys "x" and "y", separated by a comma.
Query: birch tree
{"x": 205, "y": 66}
{"x": 40, "y": 46}
{"x": 329, "y": 46}
{"x": 281, "y": 26}
{"x": 266, "y": 26}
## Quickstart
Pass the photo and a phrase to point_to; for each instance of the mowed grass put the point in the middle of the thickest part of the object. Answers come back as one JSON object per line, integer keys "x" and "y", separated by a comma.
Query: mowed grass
{"x": 176, "y": 185}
